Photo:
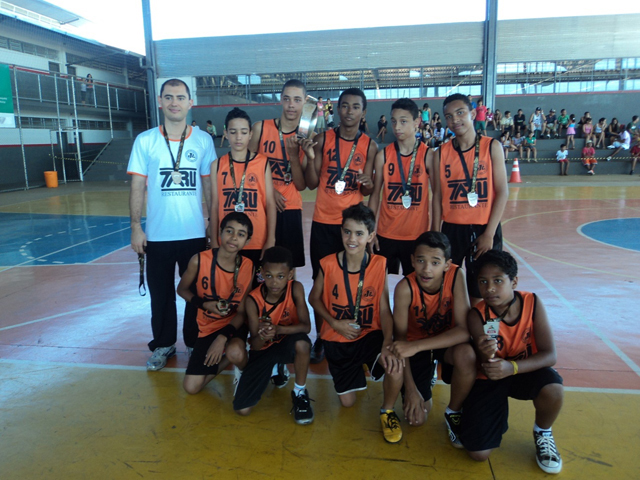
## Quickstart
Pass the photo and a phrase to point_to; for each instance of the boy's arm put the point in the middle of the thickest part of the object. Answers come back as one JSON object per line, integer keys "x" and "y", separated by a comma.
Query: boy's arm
{"x": 136, "y": 203}
{"x": 390, "y": 362}
{"x": 271, "y": 211}
{"x": 312, "y": 172}
{"x": 304, "y": 322}
{"x": 366, "y": 178}
{"x": 298, "y": 168}
{"x": 256, "y": 133}
{"x": 497, "y": 368}
{"x": 256, "y": 339}
{"x": 436, "y": 201}
{"x": 484, "y": 242}
{"x": 214, "y": 221}
{"x": 340, "y": 326}
{"x": 374, "y": 199}
{"x": 428, "y": 165}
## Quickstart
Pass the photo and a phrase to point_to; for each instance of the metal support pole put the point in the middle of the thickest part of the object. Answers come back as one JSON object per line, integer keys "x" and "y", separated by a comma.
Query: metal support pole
{"x": 109, "y": 106}
{"x": 39, "y": 89}
{"x": 117, "y": 100}
{"x": 146, "y": 109}
{"x": 64, "y": 169}
{"x": 75, "y": 114}
{"x": 151, "y": 63}
{"x": 24, "y": 157}
{"x": 489, "y": 54}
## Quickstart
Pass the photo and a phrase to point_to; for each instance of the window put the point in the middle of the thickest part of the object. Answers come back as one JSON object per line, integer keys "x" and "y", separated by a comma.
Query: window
{"x": 54, "y": 67}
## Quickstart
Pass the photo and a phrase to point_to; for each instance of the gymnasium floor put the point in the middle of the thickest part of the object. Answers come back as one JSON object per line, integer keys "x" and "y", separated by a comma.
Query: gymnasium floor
{"x": 77, "y": 402}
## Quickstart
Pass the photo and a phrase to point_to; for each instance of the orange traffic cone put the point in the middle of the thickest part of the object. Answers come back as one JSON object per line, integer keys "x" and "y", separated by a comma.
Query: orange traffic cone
{"x": 515, "y": 172}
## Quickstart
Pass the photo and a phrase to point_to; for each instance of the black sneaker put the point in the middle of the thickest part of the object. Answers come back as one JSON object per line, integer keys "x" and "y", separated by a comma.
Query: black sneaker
{"x": 317, "y": 351}
{"x": 547, "y": 455}
{"x": 282, "y": 378}
{"x": 453, "y": 426}
{"x": 302, "y": 411}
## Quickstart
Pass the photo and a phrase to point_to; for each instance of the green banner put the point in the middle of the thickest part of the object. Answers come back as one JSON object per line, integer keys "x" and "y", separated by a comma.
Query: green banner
{"x": 7, "y": 117}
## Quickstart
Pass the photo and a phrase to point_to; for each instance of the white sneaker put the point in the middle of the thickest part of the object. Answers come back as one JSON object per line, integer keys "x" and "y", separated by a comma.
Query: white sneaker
{"x": 237, "y": 373}
{"x": 547, "y": 454}
{"x": 608, "y": 159}
{"x": 159, "y": 357}
{"x": 189, "y": 352}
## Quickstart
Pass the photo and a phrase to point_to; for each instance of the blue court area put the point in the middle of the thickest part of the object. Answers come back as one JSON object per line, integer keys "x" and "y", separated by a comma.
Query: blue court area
{"x": 619, "y": 232}
{"x": 37, "y": 239}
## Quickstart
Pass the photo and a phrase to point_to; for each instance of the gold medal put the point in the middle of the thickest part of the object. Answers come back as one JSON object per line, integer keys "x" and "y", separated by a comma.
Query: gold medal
{"x": 239, "y": 207}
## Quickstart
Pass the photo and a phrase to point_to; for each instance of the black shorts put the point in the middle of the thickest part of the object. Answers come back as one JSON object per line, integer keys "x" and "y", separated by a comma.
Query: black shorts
{"x": 461, "y": 237}
{"x": 346, "y": 360}
{"x": 196, "y": 364}
{"x": 422, "y": 370}
{"x": 289, "y": 234}
{"x": 325, "y": 240}
{"x": 485, "y": 411}
{"x": 256, "y": 375}
{"x": 397, "y": 252}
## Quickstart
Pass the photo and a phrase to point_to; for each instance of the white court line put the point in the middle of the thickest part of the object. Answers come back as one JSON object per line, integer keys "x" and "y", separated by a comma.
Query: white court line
{"x": 67, "y": 248}
{"x": 623, "y": 356}
{"x": 613, "y": 391}
{"x": 580, "y": 232}
{"x": 52, "y": 317}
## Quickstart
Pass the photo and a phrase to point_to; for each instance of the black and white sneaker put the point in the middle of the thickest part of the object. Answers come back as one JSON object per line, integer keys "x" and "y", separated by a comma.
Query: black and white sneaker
{"x": 282, "y": 378}
{"x": 302, "y": 411}
{"x": 547, "y": 455}
{"x": 453, "y": 426}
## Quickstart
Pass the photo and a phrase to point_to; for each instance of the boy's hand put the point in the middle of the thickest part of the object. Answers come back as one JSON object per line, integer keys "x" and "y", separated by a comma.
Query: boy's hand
{"x": 414, "y": 408}
{"x": 281, "y": 200}
{"x": 266, "y": 331}
{"x": 403, "y": 349}
{"x": 374, "y": 246}
{"x": 390, "y": 362}
{"x": 344, "y": 328}
{"x": 483, "y": 244}
{"x": 214, "y": 354}
{"x": 488, "y": 346}
{"x": 307, "y": 144}
{"x": 212, "y": 307}
{"x": 364, "y": 180}
{"x": 497, "y": 368}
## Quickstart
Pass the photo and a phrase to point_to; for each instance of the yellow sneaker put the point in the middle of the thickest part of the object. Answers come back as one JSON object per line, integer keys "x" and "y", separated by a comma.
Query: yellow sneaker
{"x": 391, "y": 426}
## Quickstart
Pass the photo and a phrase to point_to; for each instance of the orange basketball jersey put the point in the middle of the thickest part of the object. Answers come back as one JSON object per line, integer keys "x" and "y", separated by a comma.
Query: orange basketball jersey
{"x": 329, "y": 205}
{"x": 209, "y": 323}
{"x": 270, "y": 146}
{"x": 455, "y": 186}
{"x": 335, "y": 299}
{"x": 254, "y": 195}
{"x": 439, "y": 314}
{"x": 517, "y": 341}
{"x": 395, "y": 221}
{"x": 284, "y": 314}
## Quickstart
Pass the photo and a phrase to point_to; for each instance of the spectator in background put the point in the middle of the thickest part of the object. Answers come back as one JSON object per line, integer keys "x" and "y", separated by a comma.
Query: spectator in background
{"x": 633, "y": 125}
{"x": 550, "y": 125}
{"x": 382, "y": 128}
{"x": 589, "y": 157}
{"x": 612, "y": 130}
{"x": 623, "y": 142}
{"x": 321, "y": 123}
{"x": 497, "y": 118}
{"x": 520, "y": 122}
{"x": 435, "y": 120}
{"x": 83, "y": 90}
{"x": 517, "y": 143}
{"x": 530, "y": 146}
{"x": 536, "y": 120}
{"x": 599, "y": 132}
{"x": 563, "y": 121}
{"x": 582, "y": 121}
{"x": 481, "y": 117}
{"x": 506, "y": 123}
{"x": 211, "y": 129}
{"x": 490, "y": 118}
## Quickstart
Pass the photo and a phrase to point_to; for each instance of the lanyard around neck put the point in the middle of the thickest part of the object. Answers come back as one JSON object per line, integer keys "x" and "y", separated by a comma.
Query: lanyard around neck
{"x": 345, "y": 270}
{"x": 176, "y": 163}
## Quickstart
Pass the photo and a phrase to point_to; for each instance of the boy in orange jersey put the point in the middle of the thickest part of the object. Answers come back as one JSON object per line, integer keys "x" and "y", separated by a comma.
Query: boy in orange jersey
{"x": 351, "y": 295}
{"x": 279, "y": 322}
{"x": 241, "y": 181}
{"x": 430, "y": 318}
{"x": 277, "y": 140}
{"x": 402, "y": 180}
{"x": 342, "y": 171}
{"x": 222, "y": 278}
{"x": 470, "y": 190}
{"x": 514, "y": 341}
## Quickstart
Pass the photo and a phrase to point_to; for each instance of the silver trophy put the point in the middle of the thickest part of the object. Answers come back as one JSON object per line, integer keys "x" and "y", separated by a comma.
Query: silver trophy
{"x": 309, "y": 118}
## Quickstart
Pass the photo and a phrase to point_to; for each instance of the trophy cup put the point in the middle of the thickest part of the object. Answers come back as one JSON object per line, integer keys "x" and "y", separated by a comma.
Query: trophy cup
{"x": 309, "y": 118}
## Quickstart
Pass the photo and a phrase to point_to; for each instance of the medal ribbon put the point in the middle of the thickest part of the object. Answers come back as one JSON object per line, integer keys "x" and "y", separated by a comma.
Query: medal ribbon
{"x": 343, "y": 171}
{"x": 476, "y": 163}
{"x": 212, "y": 277}
{"x": 233, "y": 176}
{"x": 142, "y": 290}
{"x": 406, "y": 184}
{"x": 347, "y": 285}
{"x": 424, "y": 304}
{"x": 266, "y": 314}
{"x": 283, "y": 148}
{"x": 487, "y": 314}
{"x": 176, "y": 163}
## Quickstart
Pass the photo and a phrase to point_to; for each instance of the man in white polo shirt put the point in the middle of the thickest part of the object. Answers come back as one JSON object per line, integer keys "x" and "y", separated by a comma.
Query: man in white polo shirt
{"x": 168, "y": 163}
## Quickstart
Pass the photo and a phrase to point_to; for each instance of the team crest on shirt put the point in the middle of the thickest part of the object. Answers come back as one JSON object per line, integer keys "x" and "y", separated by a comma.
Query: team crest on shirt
{"x": 369, "y": 293}
{"x": 526, "y": 336}
{"x": 358, "y": 159}
{"x": 252, "y": 179}
{"x": 191, "y": 155}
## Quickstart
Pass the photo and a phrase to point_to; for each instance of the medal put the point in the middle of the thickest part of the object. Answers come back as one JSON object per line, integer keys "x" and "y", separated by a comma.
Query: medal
{"x": 239, "y": 207}
{"x": 340, "y": 183}
{"x": 287, "y": 178}
{"x": 223, "y": 306}
{"x": 176, "y": 177}
{"x": 339, "y": 186}
{"x": 406, "y": 183}
{"x": 472, "y": 195}
{"x": 406, "y": 201}
{"x": 472, "y": 198}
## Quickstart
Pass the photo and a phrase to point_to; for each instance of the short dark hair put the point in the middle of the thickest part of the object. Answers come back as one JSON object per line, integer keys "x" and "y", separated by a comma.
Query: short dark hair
{"x": 634, "y": 118}
{"x": 209, "y": 122}
{"x": 354, "y": 91}
{"x": 501, "y": 259}
{"x": 360, "y": 213}
{"x": 239, "y": 217}
{"x": 294, "y": 82}
{"x": 455, "y": 97}
{"x": 278, "y": 255}
{"x": 408, "y": 105}
{"x": 434, "y": 240}
{"x": 564, "y": 145}
{"x": 175, "y": 82}
{"x": 237, "y": 113}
